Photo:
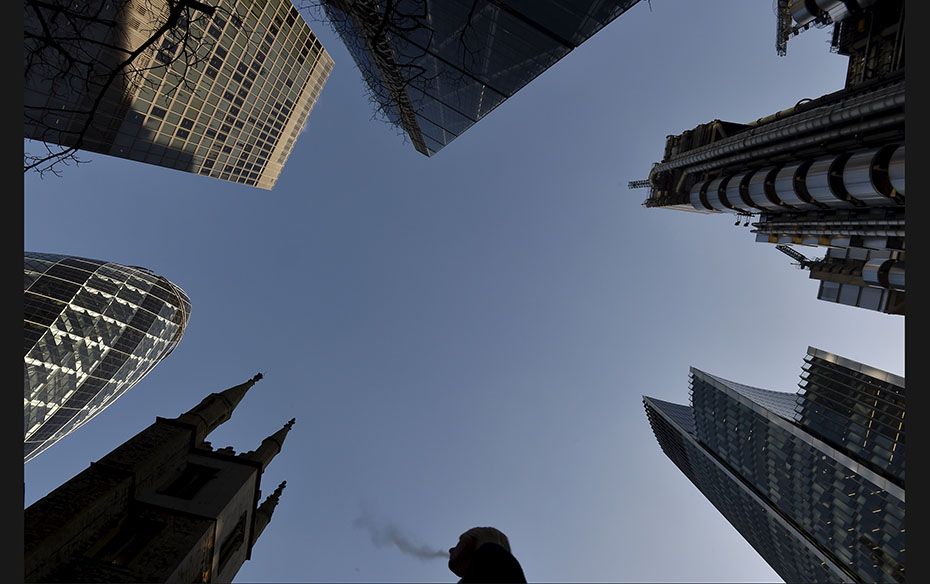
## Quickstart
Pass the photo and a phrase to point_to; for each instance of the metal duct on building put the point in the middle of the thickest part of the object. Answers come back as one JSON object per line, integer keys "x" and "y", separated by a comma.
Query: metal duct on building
{"x": 736, "y": 192}
{"x": 896, "y": 169}
{"x": 859, "y": 182}
{"x": 817, "y": 181}
{"x": 871, "y": 270}
{"x": 697, "y": 197}
{"x": 804, "y": 11}
{"x": 712, "y": 195}
{"x": 835, "y": 8}
{"x": 785, "y": 187}
{"x": 851, "y": 110}
{"x": 801, "y": 12}
{"x": 884, "y": 272}
{"x": 834, "y": 231}
{"x": 896, "y": 276}
{"x": 807, "y": 141}
{"x": 756, "y": 190}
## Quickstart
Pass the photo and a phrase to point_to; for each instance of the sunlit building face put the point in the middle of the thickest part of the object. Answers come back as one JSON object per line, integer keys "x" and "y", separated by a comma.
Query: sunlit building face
{"x": 92, "y": 330}
{"x": 229, "y": 102}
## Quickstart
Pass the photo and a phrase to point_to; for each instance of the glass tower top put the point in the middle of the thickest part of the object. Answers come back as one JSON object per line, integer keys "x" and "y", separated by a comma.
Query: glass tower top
{"x": 815, "y": 480}
{"x": 436, "y": 68}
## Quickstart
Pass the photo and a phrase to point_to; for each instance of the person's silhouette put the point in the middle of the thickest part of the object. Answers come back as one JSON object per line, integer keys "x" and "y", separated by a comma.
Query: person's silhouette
{"x": 483, "y": 555}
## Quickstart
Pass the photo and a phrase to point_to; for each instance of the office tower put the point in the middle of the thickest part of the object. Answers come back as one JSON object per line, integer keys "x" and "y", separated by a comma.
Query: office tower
{"x": 92, "y": 330}
{"x": 826, "y": 172}
{"x": 164, "y": 506}
{"x": 815, "y": 480}
{"x": 223, "y": 94}
{"x": 436, "y": 68}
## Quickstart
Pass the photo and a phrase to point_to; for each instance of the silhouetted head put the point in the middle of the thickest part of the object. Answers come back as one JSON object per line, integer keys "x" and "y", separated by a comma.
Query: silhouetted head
{"x": 460, "y": 555}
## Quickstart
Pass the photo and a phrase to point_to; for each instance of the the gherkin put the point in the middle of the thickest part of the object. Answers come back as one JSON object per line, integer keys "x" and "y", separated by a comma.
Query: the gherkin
{"x": 92, "y": 330}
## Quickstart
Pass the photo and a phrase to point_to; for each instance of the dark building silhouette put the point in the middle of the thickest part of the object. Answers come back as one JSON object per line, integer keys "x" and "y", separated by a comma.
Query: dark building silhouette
{"x": 815, "y": 480}
{"x": 92, "y": 331}
{"x": 436, "y": 68}
{"x": 162, "y": 507}
{"x": 825, "y": 172}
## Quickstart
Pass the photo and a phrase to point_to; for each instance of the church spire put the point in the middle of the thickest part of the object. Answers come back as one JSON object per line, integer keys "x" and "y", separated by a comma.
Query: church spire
{"x": 264, "y": 511}
{"x": 270, "y": 446}
{"x": 216, "y": 408}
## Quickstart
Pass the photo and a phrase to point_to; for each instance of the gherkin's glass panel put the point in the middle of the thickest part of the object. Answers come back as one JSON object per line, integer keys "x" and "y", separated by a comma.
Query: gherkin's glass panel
{"x": 92, "y": 330}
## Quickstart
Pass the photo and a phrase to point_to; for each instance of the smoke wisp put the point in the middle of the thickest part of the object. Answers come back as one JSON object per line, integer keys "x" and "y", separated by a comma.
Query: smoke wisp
{"x": 384, "y": 533}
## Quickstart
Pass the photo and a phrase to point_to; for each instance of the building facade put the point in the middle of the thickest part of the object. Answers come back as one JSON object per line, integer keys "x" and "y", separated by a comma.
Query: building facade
{"x": 828, "y": 172}
{"x": 92, "y": 331}
{"x": 436, "y": 68}
{"x": 162, "y": 507}
{"x": 224, "y": 94}
{"x": 814, "y": 481}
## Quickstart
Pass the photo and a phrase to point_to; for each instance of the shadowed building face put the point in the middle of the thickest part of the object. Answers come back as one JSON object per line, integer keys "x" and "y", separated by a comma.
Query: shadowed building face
{"x": 436, "y": 68}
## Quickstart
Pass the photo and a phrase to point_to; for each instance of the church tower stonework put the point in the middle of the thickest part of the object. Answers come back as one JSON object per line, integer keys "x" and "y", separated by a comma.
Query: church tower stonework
{"x": 162, "y": 507}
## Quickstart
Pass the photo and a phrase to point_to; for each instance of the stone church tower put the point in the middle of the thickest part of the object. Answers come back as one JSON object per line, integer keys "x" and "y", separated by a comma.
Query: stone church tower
{"x": 162, "y": 507}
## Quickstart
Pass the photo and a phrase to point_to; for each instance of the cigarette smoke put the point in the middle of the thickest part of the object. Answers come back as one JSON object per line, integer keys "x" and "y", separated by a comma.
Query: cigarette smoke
{"x": 384, "y": 533}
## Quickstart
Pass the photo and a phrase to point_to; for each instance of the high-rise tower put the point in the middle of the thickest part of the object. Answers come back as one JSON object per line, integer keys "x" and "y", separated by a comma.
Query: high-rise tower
{"x": 815, "y": 480}
{"x": 224, "y": 92}
{"x": 436, "y": 68}
{"x": 826, "y": 172}
{"x": 93, "y": 330}
{"x": 162, "y": 507}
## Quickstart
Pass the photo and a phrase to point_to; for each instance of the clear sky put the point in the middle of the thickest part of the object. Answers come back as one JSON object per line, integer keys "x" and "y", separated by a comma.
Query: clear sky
{"x": 465, "y": 339}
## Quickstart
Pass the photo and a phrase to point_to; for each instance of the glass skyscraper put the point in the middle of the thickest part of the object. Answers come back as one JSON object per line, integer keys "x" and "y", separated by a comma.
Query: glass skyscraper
{"x": 93, "y": 329}
{"x": 436, "y": 68}
{"x": 814, "y": 480}
{"x": 229, "y": 100}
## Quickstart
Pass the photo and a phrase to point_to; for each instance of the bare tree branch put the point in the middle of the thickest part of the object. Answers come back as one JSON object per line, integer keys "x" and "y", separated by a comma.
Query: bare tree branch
{"x": 84, "y": 59}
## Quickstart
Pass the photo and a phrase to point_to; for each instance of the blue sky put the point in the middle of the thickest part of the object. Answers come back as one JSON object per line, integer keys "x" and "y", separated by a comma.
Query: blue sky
{"x": 465, "y": 339}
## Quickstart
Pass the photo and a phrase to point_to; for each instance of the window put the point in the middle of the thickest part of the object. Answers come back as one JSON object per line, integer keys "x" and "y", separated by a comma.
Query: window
{"x": 125, "y": 542}
{"x": 191, "y": 479}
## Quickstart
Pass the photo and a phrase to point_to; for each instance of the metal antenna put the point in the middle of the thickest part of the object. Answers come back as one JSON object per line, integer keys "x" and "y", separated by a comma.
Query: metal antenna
{"x": 803, "y": 260}
{"x": 782, "y": 27}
